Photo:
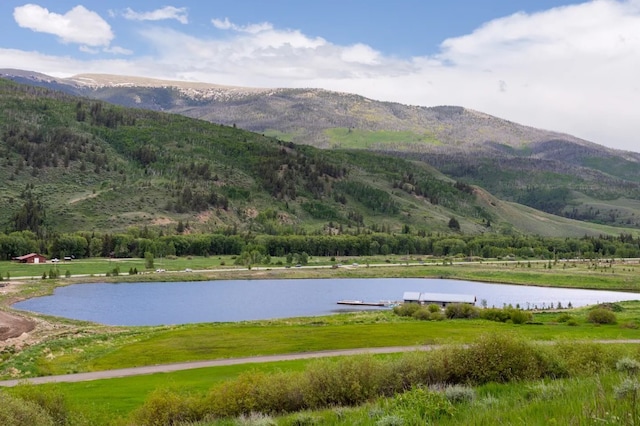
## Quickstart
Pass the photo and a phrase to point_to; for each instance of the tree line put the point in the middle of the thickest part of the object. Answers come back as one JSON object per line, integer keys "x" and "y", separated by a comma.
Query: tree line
{"x": 137, "y": 242}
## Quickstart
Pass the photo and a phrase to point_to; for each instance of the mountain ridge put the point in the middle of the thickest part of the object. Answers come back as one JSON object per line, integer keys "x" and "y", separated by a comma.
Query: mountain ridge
{"x": 515, "y": 162}
{"x": 198, "y": 91}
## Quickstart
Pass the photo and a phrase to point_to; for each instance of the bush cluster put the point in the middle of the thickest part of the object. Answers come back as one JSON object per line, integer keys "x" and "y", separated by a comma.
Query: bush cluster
{"x": 413, "y": 377}
{"x": 601, "y": 316}
{"x": 433, "y": 312}
{"x": 461, "y": 310}
{"x": 37, "y": 406}
{"x": 516, "y": 316}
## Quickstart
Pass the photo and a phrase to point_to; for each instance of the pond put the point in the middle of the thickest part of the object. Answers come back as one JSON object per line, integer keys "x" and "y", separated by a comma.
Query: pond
{"x": 239, "y": 300}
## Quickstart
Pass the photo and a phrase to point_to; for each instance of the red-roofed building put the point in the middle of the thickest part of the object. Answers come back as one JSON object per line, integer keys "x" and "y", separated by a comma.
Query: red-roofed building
{"x": 31, "y": 258}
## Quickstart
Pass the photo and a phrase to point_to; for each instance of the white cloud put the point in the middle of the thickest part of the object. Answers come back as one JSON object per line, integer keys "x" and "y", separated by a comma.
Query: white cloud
{"x": 168, "y": 12}
{"x": 79, "y": 25}
{"x": 117, "y": 50}
{"x": 251, "y": 28}
{"x": 360, "y": 53}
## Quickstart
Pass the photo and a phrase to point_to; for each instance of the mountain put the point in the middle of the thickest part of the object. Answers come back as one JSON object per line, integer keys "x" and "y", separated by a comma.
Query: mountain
{"x": 546, "y": 170}
{"x": 70, "y": 163}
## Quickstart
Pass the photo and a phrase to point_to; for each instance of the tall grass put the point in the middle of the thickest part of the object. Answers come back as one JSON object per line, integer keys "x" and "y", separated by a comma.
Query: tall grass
{"x": 353, "y": 381}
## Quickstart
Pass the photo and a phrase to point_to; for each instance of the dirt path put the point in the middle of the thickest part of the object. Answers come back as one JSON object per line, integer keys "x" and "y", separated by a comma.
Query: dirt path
{"x": 13, "y": 325}
{"x": 167, "y": 368}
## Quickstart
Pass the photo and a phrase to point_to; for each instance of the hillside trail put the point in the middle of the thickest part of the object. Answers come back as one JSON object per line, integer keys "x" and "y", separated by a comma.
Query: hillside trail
{"x": 168, "y": 368}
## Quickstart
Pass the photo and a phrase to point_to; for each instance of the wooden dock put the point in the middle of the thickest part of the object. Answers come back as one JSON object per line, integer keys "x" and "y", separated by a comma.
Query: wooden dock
{"x": 382, "y": 303}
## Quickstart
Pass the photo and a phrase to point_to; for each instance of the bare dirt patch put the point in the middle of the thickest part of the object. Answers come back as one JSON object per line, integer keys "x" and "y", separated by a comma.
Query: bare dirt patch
{"x": 204, "y": 217}
{"x": 12, "y": 326}
{"x": 163, "y": 221}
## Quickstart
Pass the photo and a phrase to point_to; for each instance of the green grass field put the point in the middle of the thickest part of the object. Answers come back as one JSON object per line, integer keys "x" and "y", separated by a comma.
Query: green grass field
{"x": 90, "y": 347}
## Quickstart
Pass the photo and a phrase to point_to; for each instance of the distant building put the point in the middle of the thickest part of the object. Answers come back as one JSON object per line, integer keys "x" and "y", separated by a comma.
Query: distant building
{"x": 441, "y": 299}
{"x": 31, "y": 258}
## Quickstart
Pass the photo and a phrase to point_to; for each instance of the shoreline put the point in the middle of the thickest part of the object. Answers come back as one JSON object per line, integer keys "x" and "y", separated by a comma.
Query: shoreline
{"x": 21, "y": 329}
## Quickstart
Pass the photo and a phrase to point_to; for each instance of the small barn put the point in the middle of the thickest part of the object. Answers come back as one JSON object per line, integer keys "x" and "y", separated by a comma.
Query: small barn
{"x": 442, "y": 299}
{"x": 31, "y": 258}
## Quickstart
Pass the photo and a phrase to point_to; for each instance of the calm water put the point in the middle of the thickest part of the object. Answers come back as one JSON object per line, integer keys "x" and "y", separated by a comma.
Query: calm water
{"x": 238, "y": 300}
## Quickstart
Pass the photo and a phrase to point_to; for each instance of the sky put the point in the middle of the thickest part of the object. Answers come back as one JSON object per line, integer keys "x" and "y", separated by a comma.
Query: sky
{"x": 568, "y": 66}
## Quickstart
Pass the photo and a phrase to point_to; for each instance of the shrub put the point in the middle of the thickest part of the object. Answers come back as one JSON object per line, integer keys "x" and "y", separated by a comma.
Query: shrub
{"x": 518, "y": 316}
{"x": 419, "y": 406}
{"x": 417, "y": 368}
{"x": 390, "y": 420}
{"x": 49, "y": 399}
{"x": 406, "y": 309}
{"x": 17, "y": 412}
{"x": 256, "y": 392}
{"x": 580, "y": 358}
{"x": 349, "y": 381}
{"x": 434, "y": 308}
{"x": 422, "y": 314}
{"x": 564, "y": 317}
{"x": 461, "y": 310}
{"x": 496, "y": 358}
{"x": 457, "y": 394}
{"x": 164, "y": 407}
{"x": 436, "y": 316}
{"x": 628, "y": 365}
{"x": 494, "y": 314}
{"x": 601, "y": 316}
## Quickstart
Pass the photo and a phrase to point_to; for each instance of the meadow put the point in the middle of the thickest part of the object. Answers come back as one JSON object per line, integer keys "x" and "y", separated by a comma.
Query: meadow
{"x": 91, "y": 347}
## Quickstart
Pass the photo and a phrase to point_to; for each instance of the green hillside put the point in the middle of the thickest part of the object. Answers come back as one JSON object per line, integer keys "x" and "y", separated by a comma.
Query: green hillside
{"x": 96, "y": 166}
{"x": 549, "y": 171}
{"x": 70, "y": 164}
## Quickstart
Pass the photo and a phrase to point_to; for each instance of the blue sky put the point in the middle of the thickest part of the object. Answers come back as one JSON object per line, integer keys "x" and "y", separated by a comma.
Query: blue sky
{"x": 569, "y": 66}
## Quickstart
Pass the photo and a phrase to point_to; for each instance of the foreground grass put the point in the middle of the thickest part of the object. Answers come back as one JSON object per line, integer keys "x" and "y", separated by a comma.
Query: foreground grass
{"x": 514, "y": 382}
{"x": 578, "y": 401}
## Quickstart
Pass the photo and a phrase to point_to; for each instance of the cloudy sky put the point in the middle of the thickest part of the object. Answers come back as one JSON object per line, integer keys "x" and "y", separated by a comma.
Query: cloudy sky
{"x": 570, "y": 66}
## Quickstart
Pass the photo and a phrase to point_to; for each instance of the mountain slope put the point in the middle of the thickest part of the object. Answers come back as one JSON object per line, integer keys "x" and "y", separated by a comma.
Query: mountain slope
{"x": 70, "y": 163}
{"x": 554, "y": 172}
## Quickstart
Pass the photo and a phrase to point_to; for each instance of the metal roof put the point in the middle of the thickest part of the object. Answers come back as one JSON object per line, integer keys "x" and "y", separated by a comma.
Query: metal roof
{"x": 28, "y": 256}
{"x": 438, "y": 297}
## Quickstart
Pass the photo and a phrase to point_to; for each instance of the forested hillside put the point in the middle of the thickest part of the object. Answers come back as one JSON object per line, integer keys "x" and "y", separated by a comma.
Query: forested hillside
{"x": 77, "y": 164}
{"x": 546, "y": 170}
